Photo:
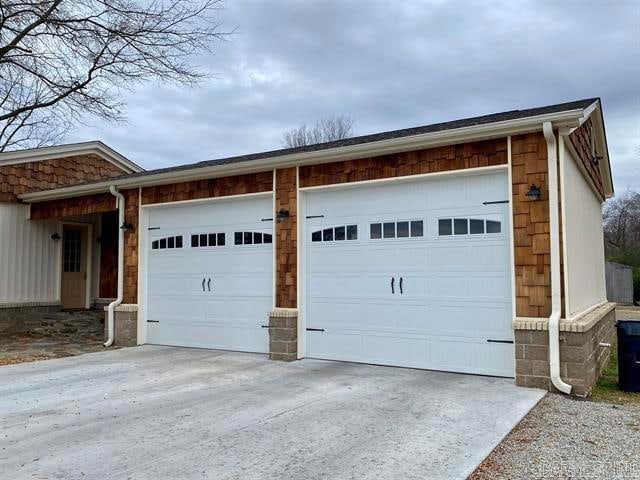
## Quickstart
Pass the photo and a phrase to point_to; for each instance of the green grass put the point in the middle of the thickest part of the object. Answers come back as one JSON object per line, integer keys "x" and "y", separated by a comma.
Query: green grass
{"x": 606, "y": 388}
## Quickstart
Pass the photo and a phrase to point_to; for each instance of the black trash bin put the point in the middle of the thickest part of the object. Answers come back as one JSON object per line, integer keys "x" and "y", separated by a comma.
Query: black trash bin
{"x": 629, "y": 355}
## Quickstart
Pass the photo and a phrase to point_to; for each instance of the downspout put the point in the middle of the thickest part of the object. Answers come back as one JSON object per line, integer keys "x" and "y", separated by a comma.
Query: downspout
{"x": 554, "y": 238}
{"x": 117, "y": 301}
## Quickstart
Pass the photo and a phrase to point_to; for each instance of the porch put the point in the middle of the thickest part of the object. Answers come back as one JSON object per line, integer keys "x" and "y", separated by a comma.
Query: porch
{"x": 56, "y": 289}
{"x": 55, "y": 335}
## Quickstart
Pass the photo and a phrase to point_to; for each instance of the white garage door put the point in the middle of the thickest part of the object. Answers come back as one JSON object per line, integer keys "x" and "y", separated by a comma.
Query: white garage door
{"x": 210, "y": 274}
{"x": 411, "y": 274}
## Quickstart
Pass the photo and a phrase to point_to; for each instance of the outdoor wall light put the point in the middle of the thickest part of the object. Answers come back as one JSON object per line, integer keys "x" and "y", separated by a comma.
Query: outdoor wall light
{"x": 126, "y": 226}
{"x": 282, "y": 214}
{"x": 534, "y": 192}
{"x": 55, "y": 236}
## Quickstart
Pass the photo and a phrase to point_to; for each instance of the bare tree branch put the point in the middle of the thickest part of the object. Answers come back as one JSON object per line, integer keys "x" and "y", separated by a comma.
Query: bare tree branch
{"x": 325, "y": 130}
{"x": 621, "y": 220}
{"x": 63, "y": 60}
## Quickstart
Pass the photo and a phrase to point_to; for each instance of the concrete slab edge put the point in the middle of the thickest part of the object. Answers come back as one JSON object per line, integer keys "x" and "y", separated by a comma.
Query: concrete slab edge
{"x": 490, "y": 450}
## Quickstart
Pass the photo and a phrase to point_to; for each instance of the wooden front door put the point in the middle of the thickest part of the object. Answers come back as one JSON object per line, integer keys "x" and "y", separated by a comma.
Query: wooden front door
{"x": 74, "y": 267}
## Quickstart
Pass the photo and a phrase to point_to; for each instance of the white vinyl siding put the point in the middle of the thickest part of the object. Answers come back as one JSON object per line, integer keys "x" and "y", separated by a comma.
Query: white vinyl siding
{"x": 29, "y": 257}
{"x": 584, "y": 241}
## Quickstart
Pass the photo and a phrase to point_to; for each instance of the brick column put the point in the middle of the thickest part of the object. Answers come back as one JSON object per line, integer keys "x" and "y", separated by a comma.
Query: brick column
{"x": 283, "y": 334}
{"x": 581, "y": 356}
{"x": 125, "y": 318}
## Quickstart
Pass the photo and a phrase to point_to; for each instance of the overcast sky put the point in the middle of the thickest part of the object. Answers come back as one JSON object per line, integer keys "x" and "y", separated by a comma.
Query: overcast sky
{"x": 390, "y": 64}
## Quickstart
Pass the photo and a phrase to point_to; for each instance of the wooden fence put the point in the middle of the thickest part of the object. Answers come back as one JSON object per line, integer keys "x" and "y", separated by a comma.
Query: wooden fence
{"x": 619, "y": 283}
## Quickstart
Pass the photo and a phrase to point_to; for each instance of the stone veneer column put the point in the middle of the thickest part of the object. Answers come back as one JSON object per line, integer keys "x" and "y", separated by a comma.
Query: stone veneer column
{"x": 581, "y": 356}
{"x": 283, "y": 334}
{"x": 125, "y": 325}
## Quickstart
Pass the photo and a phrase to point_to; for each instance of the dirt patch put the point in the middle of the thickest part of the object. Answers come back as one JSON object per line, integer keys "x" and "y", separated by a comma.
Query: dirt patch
{"x": 23, "y": 359}
{"x": 25, "y": 347}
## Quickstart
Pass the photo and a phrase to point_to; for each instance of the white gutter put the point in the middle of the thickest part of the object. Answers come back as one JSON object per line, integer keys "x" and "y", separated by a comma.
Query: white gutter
{"x": 569, "y": 118}
{"x": 117, "y": 301}
{"x": 554, "y": 238}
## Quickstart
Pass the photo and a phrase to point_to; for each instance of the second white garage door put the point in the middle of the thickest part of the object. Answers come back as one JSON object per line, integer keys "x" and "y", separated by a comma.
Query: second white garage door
{"x": 210, "y": 274}
{"x": 411, "y": 274}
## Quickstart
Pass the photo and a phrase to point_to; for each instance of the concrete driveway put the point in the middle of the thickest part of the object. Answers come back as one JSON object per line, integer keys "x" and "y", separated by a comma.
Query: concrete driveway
{"x": 173, "y": 413}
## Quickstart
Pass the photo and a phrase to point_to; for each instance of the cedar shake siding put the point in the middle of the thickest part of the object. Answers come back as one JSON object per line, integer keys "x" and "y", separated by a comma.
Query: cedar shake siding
{"x": 531, "y": 226}
{"x": 432, "y": 160}
{"x": 215, "y": 187}
{"x": 67, "y": 207}
{"x": 581, "y": 140}
{"x": 49, "y": 174}
{"x": 286, "y": 239}
{"x": 132, "y": 207}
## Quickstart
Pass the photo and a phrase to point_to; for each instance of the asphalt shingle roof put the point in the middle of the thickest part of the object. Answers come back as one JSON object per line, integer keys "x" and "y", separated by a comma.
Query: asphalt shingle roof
{"x": 406, "y": 132}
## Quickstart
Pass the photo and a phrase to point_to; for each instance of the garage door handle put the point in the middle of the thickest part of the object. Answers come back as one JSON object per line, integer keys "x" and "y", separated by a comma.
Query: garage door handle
{"x": 393, "y": 280}
{"x": 203, "y": 280}
{"x": 209, "y": 284}
{"x": 400, "y": 285}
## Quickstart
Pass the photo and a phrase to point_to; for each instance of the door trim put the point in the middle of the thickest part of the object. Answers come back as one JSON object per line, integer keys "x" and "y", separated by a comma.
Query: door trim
{"x": 89, "y": 256}
{"x": 143, "y": 246}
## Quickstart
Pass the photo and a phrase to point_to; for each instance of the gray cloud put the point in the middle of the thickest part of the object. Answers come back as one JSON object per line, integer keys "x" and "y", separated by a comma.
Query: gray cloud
{"x": 390, "y": 65}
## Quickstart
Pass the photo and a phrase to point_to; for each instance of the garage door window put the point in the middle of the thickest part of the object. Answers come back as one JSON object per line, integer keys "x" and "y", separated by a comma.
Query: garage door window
{"x": 199, "y": 240}
{"x": 167, "y": 242}
{"x": 342, "y": 232}
{"x": 251, "y": 238}
{"x": 468, "y": 226}
{"x": 399, "y": 229}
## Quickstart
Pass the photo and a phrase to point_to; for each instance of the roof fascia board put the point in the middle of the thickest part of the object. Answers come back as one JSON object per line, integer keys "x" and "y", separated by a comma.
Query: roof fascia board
{"x": 60, "y": 151}
{"x": 568, "y": 118}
